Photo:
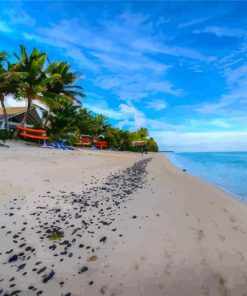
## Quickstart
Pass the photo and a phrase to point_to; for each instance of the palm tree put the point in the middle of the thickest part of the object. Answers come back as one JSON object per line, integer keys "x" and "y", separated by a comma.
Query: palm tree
{"x": 9, "y": 82}
{"x": 98, "y": 125}
{"x": 141, "y": 133}
{"x": 63, "y": 120}
{"x": 3, "y": 56}
{"x": 32, "y": 85}
{"x": 60, "y": 85}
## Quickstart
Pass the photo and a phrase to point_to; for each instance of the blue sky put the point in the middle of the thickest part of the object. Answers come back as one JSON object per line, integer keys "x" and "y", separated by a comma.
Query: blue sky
{"x": 178, "y": 68}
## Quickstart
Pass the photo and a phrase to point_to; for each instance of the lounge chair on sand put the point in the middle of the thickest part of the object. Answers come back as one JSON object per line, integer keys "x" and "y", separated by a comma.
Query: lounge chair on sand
{"x": 57, "y": 145}
{"x": 66, "y": 147}
{"x": 47, "y": 145}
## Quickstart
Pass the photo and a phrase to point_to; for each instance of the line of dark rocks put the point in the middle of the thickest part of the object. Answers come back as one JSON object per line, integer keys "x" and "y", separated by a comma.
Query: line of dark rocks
{"x": 104, "y": 201}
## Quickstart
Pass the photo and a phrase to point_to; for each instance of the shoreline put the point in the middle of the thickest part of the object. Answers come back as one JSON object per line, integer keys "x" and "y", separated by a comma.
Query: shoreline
{"x": 162, "y": 231}
{"x": 229, "y": 192}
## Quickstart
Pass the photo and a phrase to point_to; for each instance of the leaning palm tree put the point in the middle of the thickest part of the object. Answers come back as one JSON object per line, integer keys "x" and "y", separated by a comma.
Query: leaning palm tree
{"x": 3, "y": 56}
{"x": 32, "y": 85}
{"x": 60, "y": 85}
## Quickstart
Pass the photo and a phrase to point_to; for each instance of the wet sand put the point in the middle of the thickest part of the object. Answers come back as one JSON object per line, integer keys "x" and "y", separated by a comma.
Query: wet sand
{"x": 127, "y": 225}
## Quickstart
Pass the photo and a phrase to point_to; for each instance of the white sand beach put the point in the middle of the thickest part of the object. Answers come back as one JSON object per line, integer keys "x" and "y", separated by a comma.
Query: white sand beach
{"x": 147, "y": 229}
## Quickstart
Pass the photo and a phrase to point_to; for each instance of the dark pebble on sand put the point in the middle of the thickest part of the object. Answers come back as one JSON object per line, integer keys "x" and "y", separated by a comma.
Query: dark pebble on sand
{"x": 103, "y": 239}
{"x": 20, "y": 267}
{"x": 48, "y": 277}
{"x": 41, "y": 270}
{"x": 52, "y": 247}
{"x": 16, "y": 292}
{"x": 13, "y": 258}
{"x": 83, "y": 269}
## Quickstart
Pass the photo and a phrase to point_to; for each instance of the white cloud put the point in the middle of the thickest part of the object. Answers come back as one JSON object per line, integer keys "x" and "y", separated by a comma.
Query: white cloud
{"x": 126, "y": 114}
{"x": 20, "y": 16}
{"x": 4, "y": 27}
{"x": 157, "y": 105}
{"x": 222, "y": 31}
{"x": 199, "y": 124}
{"x": 192, "y": 22}
{"x": 151, "y": 45}
{"x": 221, "y": 105}
{"x": 164, "y": 87}
{"x": 236, "y": 82}
{"x": 70, "y": 51}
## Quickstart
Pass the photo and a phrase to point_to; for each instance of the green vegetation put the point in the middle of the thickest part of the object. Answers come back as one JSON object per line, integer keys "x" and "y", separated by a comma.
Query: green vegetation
{"x": 34, "y": 77}
{"x": 56, "y": 234}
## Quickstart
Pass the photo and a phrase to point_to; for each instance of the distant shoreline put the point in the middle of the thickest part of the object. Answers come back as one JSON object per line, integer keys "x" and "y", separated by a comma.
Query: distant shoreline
{"x": 210, "y": 166}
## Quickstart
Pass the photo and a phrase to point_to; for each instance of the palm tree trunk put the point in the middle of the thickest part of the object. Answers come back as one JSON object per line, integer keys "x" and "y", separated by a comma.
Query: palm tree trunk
{"x": 47, "y": 118}
{"x": 4, "y": 112}
{"x": 29, "y": 105}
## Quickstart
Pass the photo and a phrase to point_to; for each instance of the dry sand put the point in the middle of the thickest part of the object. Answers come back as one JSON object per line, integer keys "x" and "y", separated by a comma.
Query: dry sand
{"x": 147, "y": 230}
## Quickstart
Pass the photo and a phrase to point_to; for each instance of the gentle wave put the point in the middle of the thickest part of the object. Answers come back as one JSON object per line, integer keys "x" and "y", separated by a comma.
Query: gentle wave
{"x": 227, "y": 170}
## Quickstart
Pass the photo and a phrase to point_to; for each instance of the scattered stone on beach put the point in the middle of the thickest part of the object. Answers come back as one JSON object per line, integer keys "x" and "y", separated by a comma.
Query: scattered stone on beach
{"x": 48, "y": 277}
{"x": 16, "y": 292}
{"x": 13, "y": 258}
{"x": 20, "y": 267}
{"x": 103, "y": 239}
{"x": 41, "y": 270}
{"x": 65, "y": 214}
{"x": 83, "y": 269}
{"x": 103, "y": 290}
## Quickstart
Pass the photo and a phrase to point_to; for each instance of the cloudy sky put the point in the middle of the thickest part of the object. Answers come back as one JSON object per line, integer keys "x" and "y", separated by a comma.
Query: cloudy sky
{"x": 178, "y": 68}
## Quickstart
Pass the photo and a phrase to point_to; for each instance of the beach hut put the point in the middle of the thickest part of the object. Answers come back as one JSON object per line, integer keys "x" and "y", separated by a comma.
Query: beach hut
{"x": 141, "y": 144}
{"x": 15, "y": 116}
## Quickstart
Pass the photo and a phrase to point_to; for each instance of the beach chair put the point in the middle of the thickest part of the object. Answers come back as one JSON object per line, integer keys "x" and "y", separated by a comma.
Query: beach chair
{"x": 56, "y": 145}
{"x": 66, "y": 147}
{"x": 47, "y": 145}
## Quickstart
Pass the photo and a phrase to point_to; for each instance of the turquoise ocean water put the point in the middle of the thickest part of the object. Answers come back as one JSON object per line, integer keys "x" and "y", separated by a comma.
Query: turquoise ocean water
{"x": 227, "y": 170}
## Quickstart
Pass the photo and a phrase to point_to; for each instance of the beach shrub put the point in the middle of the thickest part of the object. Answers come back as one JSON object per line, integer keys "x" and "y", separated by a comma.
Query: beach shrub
{"x": 56, "y": 234}
{"x": 6, "y": 135}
